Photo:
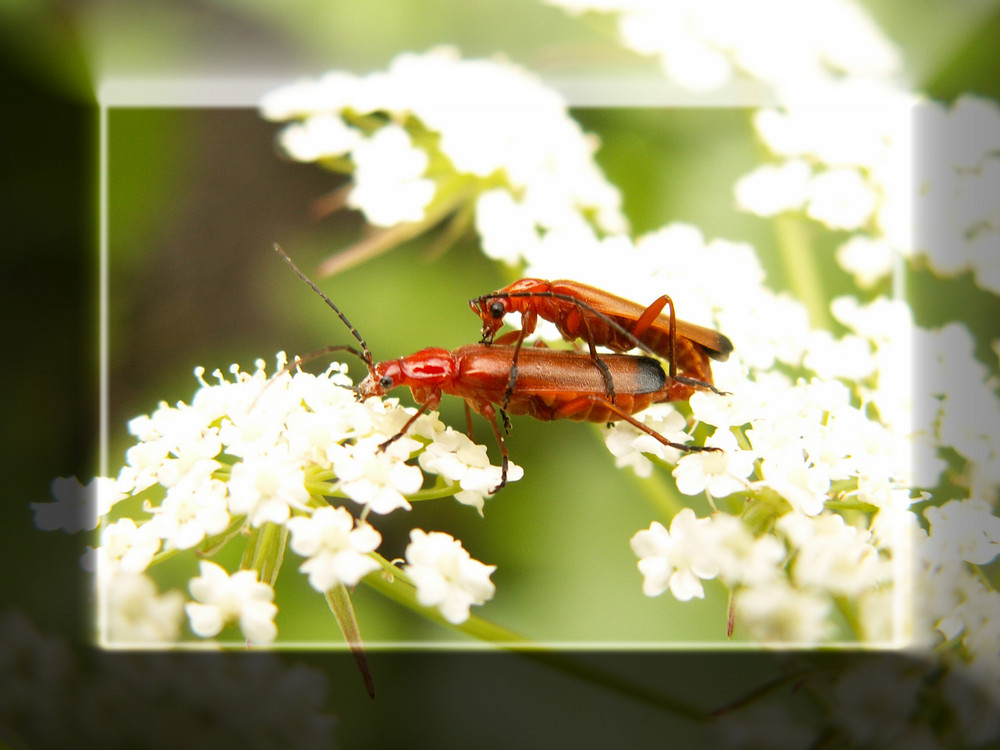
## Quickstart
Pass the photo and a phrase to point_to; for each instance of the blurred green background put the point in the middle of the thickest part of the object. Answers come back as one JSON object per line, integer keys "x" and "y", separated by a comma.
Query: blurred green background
{"x": 198, "y": 195}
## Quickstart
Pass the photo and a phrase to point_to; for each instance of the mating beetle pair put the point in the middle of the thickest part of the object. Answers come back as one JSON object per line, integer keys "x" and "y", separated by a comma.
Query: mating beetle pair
{"x": 552, "y": 384}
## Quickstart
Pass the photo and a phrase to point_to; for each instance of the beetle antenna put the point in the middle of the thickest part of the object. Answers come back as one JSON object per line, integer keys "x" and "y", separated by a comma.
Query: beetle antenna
{"x": 367, "y": 356}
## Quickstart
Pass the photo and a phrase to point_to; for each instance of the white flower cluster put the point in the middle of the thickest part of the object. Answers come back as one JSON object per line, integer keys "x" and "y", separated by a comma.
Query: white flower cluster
{"x": 774, "y": 602}
{"x": 702, "y": 45}
{"x": 252, "y": 452}
{"x": 905, "y": 176}
{"x": 797, "y": 429}
{"x": 435, "y": 131}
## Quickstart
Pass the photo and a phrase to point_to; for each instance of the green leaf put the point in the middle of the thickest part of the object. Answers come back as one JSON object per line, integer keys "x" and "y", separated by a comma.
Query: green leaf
{"x": 339, "y": 600}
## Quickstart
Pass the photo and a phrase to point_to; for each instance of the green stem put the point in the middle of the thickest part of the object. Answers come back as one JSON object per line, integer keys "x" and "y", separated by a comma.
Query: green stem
{"x": 845, "y": 608}
{"x": 850, "y": 505}
{"x": 339, "y": 600}
{"x": 265, "y": 551}
{"x": 440, "y": 490}
{"x": 798, "y": 258}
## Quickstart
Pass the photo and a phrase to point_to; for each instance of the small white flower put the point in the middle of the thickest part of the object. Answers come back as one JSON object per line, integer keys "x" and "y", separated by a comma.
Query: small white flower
{"x": 881, "y": 320}
{"x": 508, "y": 228}
{"x": 627, "y": 444}
{"x": 446, "y": 576}
{"x": 263, "y": 487}
{"x": 771, "y": 189}
{"x": 965, "y": 528}
{"x": 320, "y": 135}
{"x": 677, "y": 559}
{"x": 222, "y": 598}
{"x": 869, "y": 259}
{"x": 719, "y": 473}
{"x": 744, "y": 560}
{"x": 455, "y": 457}
{"x": 77, "y": 508}
{"x": 374, "y": 478}
{"x": 138, "y": 613}
{"x": 194, "y": 508}
{"x": 127, "y": 546}
{"x": 847, "y": 357}
{"x": 841, "y": 199}
{"x": 779, "y": 614}
{"x": 831, "y": 555}
{"x": 388, "y": 183}
{"x": 721, "y": 410}
{"x": 337, "y": 551}
{"x": 803, "y": 485}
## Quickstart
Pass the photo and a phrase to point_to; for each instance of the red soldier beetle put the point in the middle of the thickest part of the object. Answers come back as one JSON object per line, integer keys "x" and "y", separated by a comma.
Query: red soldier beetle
{"x": 584, "y": 312}
{"x": 551, "y": 384}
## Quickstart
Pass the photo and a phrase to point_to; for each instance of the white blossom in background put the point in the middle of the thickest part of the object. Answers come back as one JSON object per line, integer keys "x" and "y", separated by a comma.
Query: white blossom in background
{"x": 772, "y": 189}
{"x": 446, "y": 576}
{"x": 966, "y": 529}
{"x": 336, "y": 549}
{"x": 942, "y": 208}
{"x": 221, "y": 598}
{"x": 703, "y": 46}
{"x": 389, "y": 182}
{"x": 435, "y": 131}
{"x": 869, "y": 259}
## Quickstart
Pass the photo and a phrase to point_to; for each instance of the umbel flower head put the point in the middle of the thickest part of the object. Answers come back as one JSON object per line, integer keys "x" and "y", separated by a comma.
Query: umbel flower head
{"x": 271, "y": 458}
{"x": 510, "y": 156}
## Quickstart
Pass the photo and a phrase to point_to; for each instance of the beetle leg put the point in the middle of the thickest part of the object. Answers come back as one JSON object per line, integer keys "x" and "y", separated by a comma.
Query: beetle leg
{"x": 431, "y": 403}
{"x": 487, "y": 410}
{"x": 583, "y": 403}
{"x": 650, "y": 314}
{"x": 700, "y": 384}
{"x": 609, "y": 384}
{"x": 513, "y": 372}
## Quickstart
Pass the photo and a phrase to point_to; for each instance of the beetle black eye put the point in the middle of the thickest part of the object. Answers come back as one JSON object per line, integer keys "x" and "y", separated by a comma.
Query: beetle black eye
{"x": 497, "y": 310}
{"x": 385, "y": 383}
